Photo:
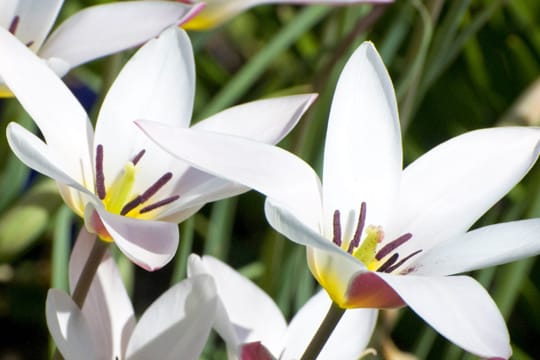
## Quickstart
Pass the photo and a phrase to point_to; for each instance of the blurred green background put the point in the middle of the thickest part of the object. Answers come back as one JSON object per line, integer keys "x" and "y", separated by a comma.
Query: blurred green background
{"x": 456, "y": 65}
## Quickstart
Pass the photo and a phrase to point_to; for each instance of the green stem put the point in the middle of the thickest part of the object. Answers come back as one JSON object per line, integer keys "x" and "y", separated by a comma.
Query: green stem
{"x": 325, "y": 330}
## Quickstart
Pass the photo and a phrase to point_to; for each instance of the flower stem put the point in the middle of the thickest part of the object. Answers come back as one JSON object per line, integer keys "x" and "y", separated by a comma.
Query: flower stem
{"x": 325, "y": 330}
{"x": 89, "y": 270}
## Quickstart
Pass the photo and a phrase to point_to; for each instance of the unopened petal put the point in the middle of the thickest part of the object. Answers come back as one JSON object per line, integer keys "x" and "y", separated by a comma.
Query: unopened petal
{"x": 149, "y": 244}
{"x": 362, "y": 154}
{"x": 69, "y": 328}
{"x": 348, "y": 340}
{"x": 177, "y": 324}
{"x": 252, "y": 312}
{"x": 446, "y": 190}
{"x": 105, "y": 29}
{"x": 487, "y": 246}
{"x": 459, "y": 308}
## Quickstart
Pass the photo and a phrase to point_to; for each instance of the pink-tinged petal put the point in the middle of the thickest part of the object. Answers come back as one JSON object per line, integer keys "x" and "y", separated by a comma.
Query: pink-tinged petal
{"x": 348, "y": 340}
{"x": 149, "y": 244}
{"x": 37, "y": 155}
{"x": 275, "y": 118}
{"x": 217, "y": 12}
{"x": 446, "y": 190}
{"x": 368, "y": 290}
{"x": 29, "y": 20}
{"x": 255, "y": 351}
{"x": 480, "y": 248}
{"x": 158, "y": 83}
{"x": 107, "y": 307}
{"x": 105, "y": 29}
{"x": 253, "y": 314}
{"x": 177, "y": 324}
{"x": 362, "y": 155}
{"x": 69, "y": 328}
{"x": 268, "y": 169}
{"x": 51, "y": 105}
{"x": 459, "y": 308}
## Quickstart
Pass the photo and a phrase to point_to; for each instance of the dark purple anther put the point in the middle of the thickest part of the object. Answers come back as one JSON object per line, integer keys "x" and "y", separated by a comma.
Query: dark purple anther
{"x": 159, "y": 204}
{"x": 337, "y": 228}
{"x": 138, "y": 157}
{"x": 401, "y": 262}
{"x": 14, "y": 23}
{"x": 388, "y": 263}
{"x": 100, "y": 176}
{"x": 164, "y": 179}
{"x": 392, "y": 245}
{"x": 359, "y": 228}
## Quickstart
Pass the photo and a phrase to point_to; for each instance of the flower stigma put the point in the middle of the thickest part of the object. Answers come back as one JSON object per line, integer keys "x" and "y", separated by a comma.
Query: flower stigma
{"x": 386, "y": 259}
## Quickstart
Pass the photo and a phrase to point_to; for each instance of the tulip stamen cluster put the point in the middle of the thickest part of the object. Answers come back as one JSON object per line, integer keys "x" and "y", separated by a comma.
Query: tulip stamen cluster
{"x": 366, "y": 250}
{"x": 116, "y": 197}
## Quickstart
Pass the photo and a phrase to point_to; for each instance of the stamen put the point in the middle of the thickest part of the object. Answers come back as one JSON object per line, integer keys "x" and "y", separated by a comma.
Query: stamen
{"x": 337, "y": 229}
{"x": 161, "y": 182}
{"x": 159, "y": 204}
{"x": 394, "y": 267}
{"x": 392, "y": 245}
{"x": 388, "y": 263}
{"x": 138, "y": 157}
{"x": 359, "y": 228}
{"x": 100, "y": 176}
{"x": 14, "y": 23}
{"x": 131, "y": 205}
{"x": 30, "y": 43}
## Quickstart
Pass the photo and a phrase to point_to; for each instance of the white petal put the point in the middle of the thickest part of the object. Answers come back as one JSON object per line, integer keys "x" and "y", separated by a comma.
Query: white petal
{"x": 57, "y": 113}
{"x": 348, "y": 340}
{"x": 37, "y": 155}
{"x": 483, "y": 247}
{"x": 275, "y": 118}
{"x": 362, "y": 155}
{"x": 265, "y": 168}
{"x": 158, "y": 83}
{"x": 445, "y": 191}
{"x": 36, "y": 18}
{"x": 459, "y": 308}
{"x": 217, "y": 12}
{"x": 149, "y": 244}
{"x": 253, "y": 313}
{"x": 105, "y": 29}
{"x": 107, "y": 306}
{"x": 69, "y": 328}
{"x": 177, "y": 324}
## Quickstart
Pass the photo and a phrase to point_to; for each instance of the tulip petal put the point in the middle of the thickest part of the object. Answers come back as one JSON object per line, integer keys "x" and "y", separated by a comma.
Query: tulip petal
{"x": 480, "y": 248}
{"x": 37, "y": 155}
{"x": 51, "y": 105}
{"x": 164, "y": 73}
{"x": 35, "y": 19}
{"x": 274, "y": 118}
{"x": 105, "y": 29}
{"x": 348, "y": 340}
{"x": 107, "y": 307}
{"x": 69, "y": 328}
{"x": 459, "y": 308}
{"x": 177, "y": 323}
{"x": 253, "y": 314}
{"x": 265, "y": 168}
{"x": 149, "y": 244}
{"x": 217, "y": 12}
{"x": 362, "y": 155}
{"x": 446, "y": 190}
